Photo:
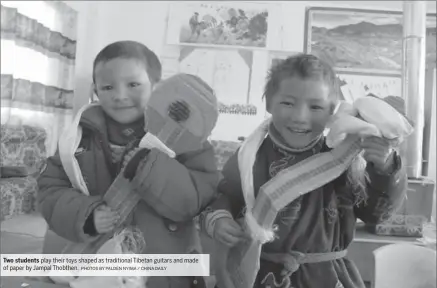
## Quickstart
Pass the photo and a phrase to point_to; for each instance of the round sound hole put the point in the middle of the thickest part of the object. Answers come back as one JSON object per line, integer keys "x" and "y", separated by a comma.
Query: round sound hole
{"x": 179, "y": 111}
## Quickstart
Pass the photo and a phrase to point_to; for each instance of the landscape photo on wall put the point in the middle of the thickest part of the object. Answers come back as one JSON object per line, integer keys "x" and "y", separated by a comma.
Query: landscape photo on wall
{"x": 362, "y": 40}
{"x": 231, "y": 24}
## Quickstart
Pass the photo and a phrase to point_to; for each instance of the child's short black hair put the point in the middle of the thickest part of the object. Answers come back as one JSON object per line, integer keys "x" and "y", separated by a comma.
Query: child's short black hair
{"x": 306, "y": 66}
{"x": 131, "y": 50}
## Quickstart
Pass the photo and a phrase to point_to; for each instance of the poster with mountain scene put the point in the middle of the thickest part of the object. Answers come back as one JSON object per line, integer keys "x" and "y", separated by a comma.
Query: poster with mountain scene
{"x": 355, "y": 40}
{"x": 220, "y": 24}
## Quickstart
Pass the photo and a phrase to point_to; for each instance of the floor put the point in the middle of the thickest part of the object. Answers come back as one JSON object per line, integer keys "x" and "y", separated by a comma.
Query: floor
{"x": 23, "y": 234}
{"x": 27, "y": 244}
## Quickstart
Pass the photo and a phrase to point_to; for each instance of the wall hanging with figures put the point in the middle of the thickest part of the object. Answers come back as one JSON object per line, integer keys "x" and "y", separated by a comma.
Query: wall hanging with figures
{"x": 222, "y": 24}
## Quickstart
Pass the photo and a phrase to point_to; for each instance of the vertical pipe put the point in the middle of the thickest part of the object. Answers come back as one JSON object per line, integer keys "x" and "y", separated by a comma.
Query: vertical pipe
{"x": 429, "y": 127}
{"x": 413, "y": 80}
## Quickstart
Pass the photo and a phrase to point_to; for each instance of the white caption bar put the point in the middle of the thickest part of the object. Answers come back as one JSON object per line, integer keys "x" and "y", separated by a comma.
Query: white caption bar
{"x": 105, "y": 265}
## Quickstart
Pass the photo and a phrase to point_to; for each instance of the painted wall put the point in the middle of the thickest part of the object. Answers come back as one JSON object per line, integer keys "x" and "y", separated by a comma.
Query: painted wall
{"x": 103, "y": 22}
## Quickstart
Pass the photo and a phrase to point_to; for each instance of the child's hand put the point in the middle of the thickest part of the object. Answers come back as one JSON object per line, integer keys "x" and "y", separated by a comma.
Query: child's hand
{"x": 378, "y": 151}
{"x": 105, "y": 219}
{"x": 229, "y": 232}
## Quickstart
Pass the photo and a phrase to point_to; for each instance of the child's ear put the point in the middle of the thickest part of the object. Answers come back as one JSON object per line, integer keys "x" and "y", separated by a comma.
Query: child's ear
{"x": 334, "y": 107}
{"x": 268, "y": 105}
{"x": 94, "y": 91}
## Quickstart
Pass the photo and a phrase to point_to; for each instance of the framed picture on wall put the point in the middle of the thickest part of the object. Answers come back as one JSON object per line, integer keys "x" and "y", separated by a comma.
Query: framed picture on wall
{"x": 358, "y": 40}
{"x": 220, "y": 24}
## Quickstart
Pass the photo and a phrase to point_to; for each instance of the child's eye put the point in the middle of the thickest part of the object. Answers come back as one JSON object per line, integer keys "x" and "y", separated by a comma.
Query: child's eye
{"x": 316, "y": 107}
{"x": 287, "y": 103}
{"x": 134, "y": 84}
{"x": 106, "y": 88}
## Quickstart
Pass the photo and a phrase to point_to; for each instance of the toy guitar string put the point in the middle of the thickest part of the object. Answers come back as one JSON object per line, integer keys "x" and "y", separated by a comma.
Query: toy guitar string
{"x": 178, "y": 112}
{"x": 169, "y": 134}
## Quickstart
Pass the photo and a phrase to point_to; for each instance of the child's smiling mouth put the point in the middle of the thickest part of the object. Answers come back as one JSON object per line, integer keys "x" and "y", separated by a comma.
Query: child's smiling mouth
{"x": 299, "y": 131}
{"x": 123, "y": 108}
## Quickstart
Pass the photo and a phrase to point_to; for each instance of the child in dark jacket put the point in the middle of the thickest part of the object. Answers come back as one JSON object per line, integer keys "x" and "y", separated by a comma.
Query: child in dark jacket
{"x": 124, "y": 75}
{"x": 316, "y": 228}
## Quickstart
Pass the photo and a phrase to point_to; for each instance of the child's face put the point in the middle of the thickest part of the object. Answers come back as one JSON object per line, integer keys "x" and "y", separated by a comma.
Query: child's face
{"x": 300, "y": 110}
{"x": 123, "y": 88}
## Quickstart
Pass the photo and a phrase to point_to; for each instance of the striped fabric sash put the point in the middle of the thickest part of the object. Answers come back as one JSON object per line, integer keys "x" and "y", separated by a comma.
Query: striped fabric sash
{"x": 286, "y": 186}
{"x": 301, "y": 178}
